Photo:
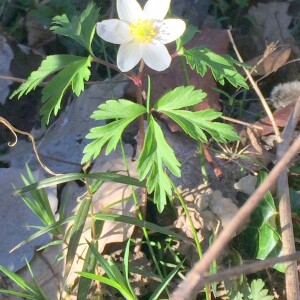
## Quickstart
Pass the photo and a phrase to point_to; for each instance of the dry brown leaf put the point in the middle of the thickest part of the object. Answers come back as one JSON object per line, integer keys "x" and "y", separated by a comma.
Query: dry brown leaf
{"x": 281, "y": 116}
{"x": 246, "y": 184}
{"x": 266, "y": 64}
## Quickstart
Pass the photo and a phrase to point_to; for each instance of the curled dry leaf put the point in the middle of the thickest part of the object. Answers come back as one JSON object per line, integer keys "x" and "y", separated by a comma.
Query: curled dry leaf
{"x": 270, "y": 61}
{"x": 281, "y": 116}
{"x": 246, "y": 184}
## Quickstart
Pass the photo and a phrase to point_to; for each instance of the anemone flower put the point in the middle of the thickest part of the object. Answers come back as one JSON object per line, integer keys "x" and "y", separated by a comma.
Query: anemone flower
{"x": 142, "y": 33}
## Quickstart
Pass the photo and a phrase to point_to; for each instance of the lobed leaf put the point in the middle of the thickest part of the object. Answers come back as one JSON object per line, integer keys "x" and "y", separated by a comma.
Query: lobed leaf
{"x": 110, "y": 134}
{"x": 194, "y": 123}
{"x": 257, "y": 291}
{"x": 72, "y": 70}
{"x": 73, "y": 74}
{"x": 155, "y": 156}
{"x": 180, "y": 97}
{"x": 201, "y": 58}
{"x": 81, "y": 28}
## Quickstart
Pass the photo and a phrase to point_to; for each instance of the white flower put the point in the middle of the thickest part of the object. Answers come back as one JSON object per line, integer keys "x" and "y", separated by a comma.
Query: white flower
{"x": 142, "y": 33}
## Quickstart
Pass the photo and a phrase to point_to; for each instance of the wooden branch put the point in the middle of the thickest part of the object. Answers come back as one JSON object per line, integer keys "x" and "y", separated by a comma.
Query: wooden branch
{"x": 250, "y": 268}
{"x": 285, "y": 214}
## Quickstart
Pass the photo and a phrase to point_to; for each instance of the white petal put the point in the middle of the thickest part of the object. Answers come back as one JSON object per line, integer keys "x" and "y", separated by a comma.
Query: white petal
{"x": 156, "y": 56}
{"x": 114, "y": 31}
{"x": 129, "y": 10}
{"x": 129, "y": 56}
{"x": 170, "y": 30}
{"x": 156, "y": 9}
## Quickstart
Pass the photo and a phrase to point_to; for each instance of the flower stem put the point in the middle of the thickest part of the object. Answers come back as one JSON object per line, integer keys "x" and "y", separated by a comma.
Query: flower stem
{"x": 101, "y": 61}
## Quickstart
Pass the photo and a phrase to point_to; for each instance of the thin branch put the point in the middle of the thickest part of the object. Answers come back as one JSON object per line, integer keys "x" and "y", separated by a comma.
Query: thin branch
{"x": 241, "y": 122}
{"x": 257, "y": 90}
{"x": 194, "y": 280}
{"x": 250, "y": 268}
{"x": 14, "y": 130}
{"x": 288, "y": 240}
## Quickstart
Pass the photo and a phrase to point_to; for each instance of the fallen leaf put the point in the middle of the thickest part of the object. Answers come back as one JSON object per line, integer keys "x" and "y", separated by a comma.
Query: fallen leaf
{"x": 246, "y": 184}
{"x": 281, "y": 116}
{"x": 266, "y": 64}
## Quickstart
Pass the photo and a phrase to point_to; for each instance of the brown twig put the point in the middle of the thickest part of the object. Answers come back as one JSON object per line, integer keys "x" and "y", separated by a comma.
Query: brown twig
{"x": 14, "y": 130}
{"x": 20, "y": 80}
{"x": 194, "y": 280}
{"x": 287, "y": 234}
{"x": 241, "y": 122}
{"x": 250, "y": 268}
{"x": 257, "y": 90}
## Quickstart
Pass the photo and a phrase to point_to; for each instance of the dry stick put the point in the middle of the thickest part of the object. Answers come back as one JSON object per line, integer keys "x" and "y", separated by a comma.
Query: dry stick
{"x": 13, "y": 130}
{"x": 241, "y": 122}
{"x": 194, "y": 280}
{"x": 250, "y": 268}
{"x": 257, "y": 90}
{"x": 288, "y": 241}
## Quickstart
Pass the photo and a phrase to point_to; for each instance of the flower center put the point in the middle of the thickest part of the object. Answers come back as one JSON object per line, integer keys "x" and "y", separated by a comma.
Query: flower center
{"x": 143, "y": 31}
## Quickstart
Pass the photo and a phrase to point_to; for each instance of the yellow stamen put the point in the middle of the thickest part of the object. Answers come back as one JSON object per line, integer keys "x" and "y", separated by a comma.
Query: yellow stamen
{"x": 143, "y": 31}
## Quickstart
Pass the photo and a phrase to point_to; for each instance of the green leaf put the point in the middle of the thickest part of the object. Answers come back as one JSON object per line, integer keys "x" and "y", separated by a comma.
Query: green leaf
{"x": 50, "y": 65}
{"x": 124, "y": 111}
{"x": 238, "y": 296}
{"x": 194, "y": 123}
{"x": 76, "y": 232}
{"x": 105, "y": 176}
{"x": 155, "y": 156}
{"x": 80, "y": 28}
{"x": 43, "y": 230}
{"x": 72, "y": 71}
{"x": 116, "y": 279}
{"x": 180, "y": 97}
{"x": 85, "y": 283}
{"x": 38, "y": 202}
{"x": 72, "y": 75}
{"x": 33, "y": 290}
{"x": 126, "y": 266}
{"x": 162, "y": 286}
{"x": 18, "y": 294}
{"x": 269, "y": 239}
{"x": 137, "y": 222}
{"x": 201, "y": 58}
{"x": 127, "y": 294}
{"x": 257, "y": 291}
{"x": 261, "y": 239}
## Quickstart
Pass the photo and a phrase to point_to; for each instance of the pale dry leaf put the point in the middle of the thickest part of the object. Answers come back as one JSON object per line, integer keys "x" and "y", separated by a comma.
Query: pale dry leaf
{"x": 246, "y": 184}
{"x": 222, "y": 207}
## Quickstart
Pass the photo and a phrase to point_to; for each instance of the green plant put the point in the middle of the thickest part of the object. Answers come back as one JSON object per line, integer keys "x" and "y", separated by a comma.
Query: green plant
{"x": 255, "y": 291}
{"x": 157, "y": 159}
